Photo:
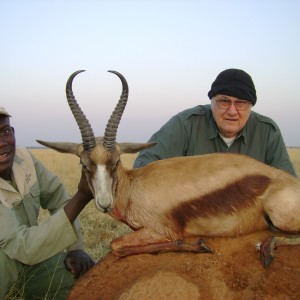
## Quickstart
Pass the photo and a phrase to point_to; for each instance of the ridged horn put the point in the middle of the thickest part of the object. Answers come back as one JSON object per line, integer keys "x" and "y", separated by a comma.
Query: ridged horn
{"x": 87, "y": 134}
{"x": 109, "y": 140}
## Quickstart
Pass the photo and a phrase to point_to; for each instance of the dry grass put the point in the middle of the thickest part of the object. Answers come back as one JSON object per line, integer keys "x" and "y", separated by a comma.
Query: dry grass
{"x": 99, "y": 229}
{"x": 295, "y": 157}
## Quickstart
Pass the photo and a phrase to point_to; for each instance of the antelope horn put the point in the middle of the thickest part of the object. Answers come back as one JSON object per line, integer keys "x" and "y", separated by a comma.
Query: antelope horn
{"x": 87, "y": 134}
{"x": 109, "y": 140}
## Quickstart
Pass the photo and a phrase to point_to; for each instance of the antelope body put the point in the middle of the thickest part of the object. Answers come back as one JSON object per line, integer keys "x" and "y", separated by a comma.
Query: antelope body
{"x": 168, "y": 202}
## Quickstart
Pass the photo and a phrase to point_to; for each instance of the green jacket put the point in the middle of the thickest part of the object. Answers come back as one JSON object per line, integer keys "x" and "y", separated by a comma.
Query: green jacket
{"x": 21, "y": 236}
{"x": 194, "y": 131}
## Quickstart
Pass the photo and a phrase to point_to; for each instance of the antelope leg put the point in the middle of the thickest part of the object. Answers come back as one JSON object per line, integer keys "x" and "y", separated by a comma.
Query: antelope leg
{"x": 268, "y": 247}
{"x": 143, "y": 241}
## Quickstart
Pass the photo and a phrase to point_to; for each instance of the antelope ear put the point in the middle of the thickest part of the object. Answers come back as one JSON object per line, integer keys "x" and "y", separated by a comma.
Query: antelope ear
{"x": 63, "y": 147}
{"x": 134, "y": 147}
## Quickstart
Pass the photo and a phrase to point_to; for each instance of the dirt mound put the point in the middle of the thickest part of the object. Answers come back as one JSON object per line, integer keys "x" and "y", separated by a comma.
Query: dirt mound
{"x": 233, "y": 271}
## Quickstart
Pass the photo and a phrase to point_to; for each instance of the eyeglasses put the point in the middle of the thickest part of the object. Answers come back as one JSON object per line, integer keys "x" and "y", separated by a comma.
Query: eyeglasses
{"x": 7, "y": 132}
{"x": 240, "y": 105}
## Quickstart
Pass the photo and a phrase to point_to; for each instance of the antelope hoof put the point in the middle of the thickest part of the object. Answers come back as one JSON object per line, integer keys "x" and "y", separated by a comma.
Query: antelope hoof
{"x": 266, "y": 252}
{"x": 202, "y": 247}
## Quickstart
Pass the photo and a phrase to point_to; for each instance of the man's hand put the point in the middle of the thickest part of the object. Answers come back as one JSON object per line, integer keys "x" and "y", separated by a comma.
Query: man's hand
{"x": 81, "y": 198}
{"x": 83, "y": 186}
{"x": 78, "y": 262}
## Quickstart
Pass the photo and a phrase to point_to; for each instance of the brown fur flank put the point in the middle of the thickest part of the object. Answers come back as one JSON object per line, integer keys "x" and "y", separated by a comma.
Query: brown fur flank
{"x": 230, "y": 199}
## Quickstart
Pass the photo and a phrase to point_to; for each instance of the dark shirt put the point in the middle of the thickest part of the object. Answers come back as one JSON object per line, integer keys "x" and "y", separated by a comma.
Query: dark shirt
{"x": 194, "y": 131}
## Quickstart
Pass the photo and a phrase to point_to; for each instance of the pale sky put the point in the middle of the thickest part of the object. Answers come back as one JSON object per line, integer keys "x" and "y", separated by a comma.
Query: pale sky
{"x": 169, "y": 51}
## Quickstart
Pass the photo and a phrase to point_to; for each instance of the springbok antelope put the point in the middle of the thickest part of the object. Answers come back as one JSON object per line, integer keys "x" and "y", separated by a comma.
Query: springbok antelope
{"x": 170, "y": 201}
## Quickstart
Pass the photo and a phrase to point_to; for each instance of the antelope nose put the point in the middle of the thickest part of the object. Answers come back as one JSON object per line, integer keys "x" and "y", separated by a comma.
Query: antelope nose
{"x": 102, "y": 207}
{"x": 105, "y": 209}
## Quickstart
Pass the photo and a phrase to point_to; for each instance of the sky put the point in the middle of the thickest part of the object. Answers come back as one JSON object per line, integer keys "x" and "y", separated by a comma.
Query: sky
{"x": 169, "y": 51}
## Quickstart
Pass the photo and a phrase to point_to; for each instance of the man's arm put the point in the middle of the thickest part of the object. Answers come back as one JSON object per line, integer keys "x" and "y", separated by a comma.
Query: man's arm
{"x": 277, "y": 155}
{"x": 31, "y": 245}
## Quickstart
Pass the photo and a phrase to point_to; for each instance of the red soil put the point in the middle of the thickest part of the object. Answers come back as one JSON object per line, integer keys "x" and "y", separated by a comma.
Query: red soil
{"x": 233, "y": 271}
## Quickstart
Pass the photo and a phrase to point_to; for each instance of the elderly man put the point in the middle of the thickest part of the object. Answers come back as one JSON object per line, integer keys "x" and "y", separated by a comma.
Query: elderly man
{"x": 226, "y": 125}
{"x": 32, "y": 254}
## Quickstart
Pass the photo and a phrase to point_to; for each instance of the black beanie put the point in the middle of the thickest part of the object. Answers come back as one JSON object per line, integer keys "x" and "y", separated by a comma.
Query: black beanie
{"x": 236, "y": 83}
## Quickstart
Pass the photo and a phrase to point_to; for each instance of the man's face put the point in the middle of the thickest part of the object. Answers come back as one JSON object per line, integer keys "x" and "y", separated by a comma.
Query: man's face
{"x": 7, "y": 147}
{"x": 230, "y": 114}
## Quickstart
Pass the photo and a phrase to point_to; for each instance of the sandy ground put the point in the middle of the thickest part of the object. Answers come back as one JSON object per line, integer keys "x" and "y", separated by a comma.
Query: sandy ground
{"x": 233, "y": 271}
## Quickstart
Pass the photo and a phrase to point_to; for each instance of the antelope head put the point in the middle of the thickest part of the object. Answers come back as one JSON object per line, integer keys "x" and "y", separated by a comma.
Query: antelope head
{"x": 99, "y": 157}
